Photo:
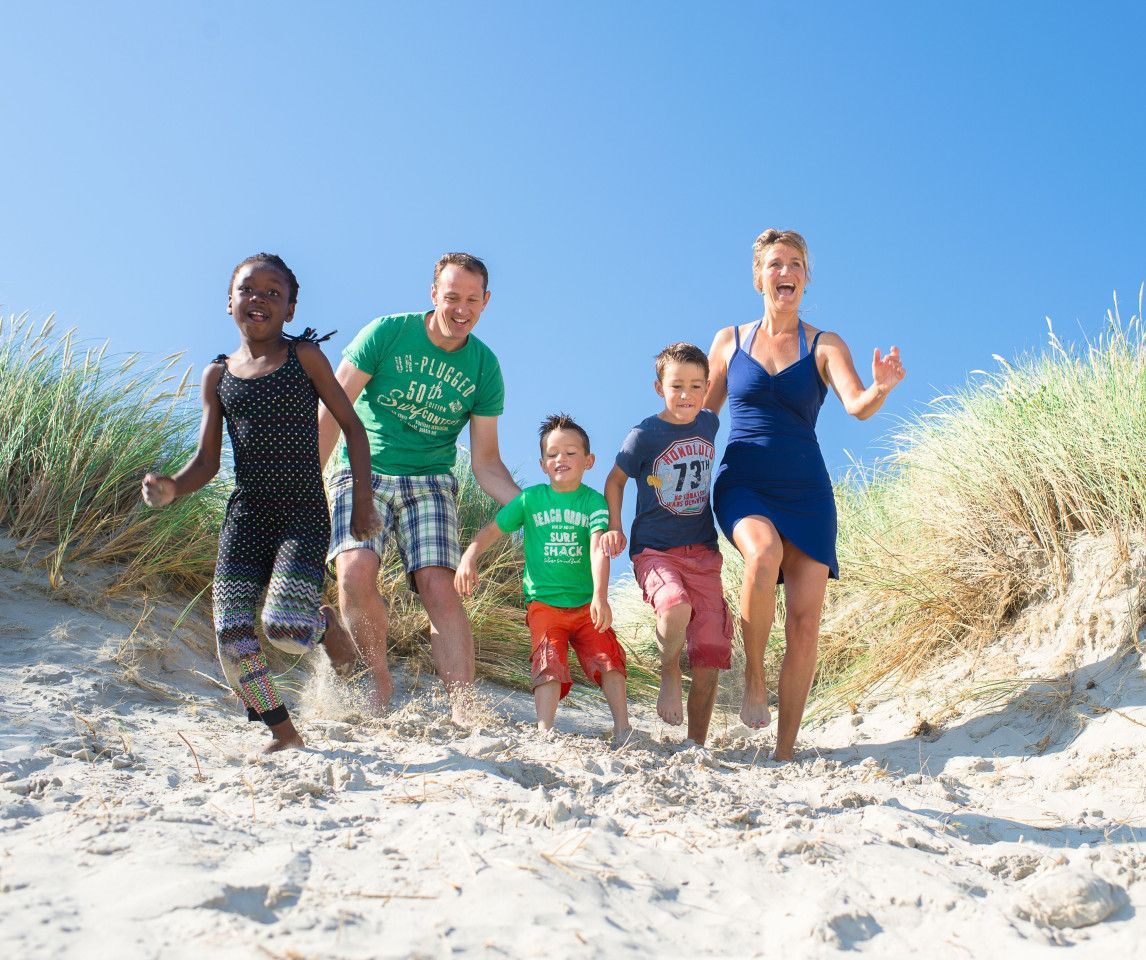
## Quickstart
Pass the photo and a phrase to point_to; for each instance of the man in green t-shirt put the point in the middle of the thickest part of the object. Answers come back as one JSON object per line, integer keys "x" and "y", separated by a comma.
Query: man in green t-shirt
{"x": 416, "y": 380}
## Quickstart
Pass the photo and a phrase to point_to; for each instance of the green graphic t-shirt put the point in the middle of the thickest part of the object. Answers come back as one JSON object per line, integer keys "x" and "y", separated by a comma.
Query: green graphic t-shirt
{"x": 557, "y": 528}
{"x": 419, "y": 396}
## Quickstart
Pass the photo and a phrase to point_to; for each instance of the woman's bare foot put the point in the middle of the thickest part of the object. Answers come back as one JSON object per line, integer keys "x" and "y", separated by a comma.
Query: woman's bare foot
{"x": 754, "y": 712}
{"x": 284, "y": 736}
{"x": 338, "y": 643}
{"x": 670, "y": 701}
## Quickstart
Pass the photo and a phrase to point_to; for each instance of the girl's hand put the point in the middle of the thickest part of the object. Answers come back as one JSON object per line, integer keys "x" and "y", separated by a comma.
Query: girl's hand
{"x": 365, "y": 523}
{"x": 157, "y": 490}
{"x": 466, "y": 578}
{"x": 887, "y": 371}
{"x": 601, "y": 614}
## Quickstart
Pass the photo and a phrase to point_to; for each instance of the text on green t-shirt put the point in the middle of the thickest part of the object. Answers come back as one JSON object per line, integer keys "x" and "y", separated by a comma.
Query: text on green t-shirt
{"x": 419, "y": 397}
{"x": 557, "y": 536}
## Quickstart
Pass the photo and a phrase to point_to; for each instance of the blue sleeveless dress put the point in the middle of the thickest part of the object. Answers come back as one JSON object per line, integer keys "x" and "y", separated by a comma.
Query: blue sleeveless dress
{"x": 772, "y": 466}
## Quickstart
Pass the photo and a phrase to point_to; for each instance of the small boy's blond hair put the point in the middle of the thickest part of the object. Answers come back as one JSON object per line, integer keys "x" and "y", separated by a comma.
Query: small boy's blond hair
{"x": 681, "y": 352}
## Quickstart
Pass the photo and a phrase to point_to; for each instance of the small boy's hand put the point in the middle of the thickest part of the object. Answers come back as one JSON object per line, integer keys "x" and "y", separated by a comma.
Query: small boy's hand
{"x": 157, "y": 490}
{"x": 466, "y": 578}
{"x": 613, "y": 542}
{"x": 365, "y": 523}
{"x": 601, "y": 614}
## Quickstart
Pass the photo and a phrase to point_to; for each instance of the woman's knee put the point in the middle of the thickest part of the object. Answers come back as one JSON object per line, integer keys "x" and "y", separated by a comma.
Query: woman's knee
{"x": 802, "y": 627}
{"x": 762, "y": 561}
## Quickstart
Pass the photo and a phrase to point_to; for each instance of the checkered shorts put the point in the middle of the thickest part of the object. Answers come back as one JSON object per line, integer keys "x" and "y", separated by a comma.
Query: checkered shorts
{"x": 420, "y": 512}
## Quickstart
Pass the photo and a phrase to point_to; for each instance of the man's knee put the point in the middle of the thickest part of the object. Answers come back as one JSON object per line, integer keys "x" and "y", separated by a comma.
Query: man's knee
{"x": 436, "y": 588}
{"x": 357, "y": 574}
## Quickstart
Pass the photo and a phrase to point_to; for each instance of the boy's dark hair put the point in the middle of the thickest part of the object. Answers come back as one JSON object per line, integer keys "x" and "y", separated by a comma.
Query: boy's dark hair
{"x": 467, "y": 261}
{"x": 681, "y": 353}
{"x": 560, "y": 421}
{"x": 270, "y": 260}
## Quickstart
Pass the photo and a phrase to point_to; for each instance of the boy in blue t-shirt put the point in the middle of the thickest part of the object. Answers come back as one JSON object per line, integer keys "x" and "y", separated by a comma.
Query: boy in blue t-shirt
{"x": 673, "y": 544}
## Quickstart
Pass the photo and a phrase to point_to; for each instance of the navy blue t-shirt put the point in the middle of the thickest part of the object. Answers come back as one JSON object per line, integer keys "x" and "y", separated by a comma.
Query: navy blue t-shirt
{"x": 672, "y": 465}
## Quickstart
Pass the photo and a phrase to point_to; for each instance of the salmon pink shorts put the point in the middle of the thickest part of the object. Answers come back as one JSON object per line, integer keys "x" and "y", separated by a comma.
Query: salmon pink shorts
{"x": 555, "y": 630}
{"x": 690, "y": 575}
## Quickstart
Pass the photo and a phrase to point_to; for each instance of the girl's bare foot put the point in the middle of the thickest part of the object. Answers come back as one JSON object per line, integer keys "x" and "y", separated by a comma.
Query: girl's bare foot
{"x": 284, "y": 736}
{"x": 338, "y": 643}
{"x": 670, "y": 704}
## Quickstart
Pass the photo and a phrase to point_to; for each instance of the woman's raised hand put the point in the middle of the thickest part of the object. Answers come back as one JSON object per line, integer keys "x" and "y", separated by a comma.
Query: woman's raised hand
{"x": 887, "y": 371}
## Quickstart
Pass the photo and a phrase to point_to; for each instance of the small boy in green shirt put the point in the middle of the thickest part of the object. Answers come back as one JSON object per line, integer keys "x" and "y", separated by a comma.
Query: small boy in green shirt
{"x": 566, "y": 578}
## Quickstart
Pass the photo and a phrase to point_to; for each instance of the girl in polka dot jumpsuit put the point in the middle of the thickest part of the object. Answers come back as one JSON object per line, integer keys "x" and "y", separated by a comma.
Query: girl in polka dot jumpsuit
{"x": 277, "y": 527}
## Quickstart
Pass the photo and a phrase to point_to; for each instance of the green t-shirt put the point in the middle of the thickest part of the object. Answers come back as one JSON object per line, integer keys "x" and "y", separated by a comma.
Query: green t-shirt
{"x": 419, "y": 396}
{"x": 557, "y": 528}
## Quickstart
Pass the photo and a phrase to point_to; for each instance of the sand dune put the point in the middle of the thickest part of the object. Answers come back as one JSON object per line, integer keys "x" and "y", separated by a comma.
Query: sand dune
{"x": 139, "y": 819}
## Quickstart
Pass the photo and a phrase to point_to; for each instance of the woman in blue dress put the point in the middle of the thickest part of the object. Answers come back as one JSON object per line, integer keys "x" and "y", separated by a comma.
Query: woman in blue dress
{"x": 772, "y": 495}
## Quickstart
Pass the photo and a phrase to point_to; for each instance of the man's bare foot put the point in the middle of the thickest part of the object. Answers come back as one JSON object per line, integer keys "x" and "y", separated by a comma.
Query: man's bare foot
{"x": 378, "y": 699}
{"x": 284, "y": 736}
{"x": 464, "y": 710}
{"x": 338, "y": 643}
{"x": 621, "y": 738}
{"x": 670, "y": 704}
{"x": 754, "y": 712}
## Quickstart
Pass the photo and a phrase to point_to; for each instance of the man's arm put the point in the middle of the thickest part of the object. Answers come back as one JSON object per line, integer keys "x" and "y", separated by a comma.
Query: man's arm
{"x": 353, "y": 381}
{"x": 485, "y": 461}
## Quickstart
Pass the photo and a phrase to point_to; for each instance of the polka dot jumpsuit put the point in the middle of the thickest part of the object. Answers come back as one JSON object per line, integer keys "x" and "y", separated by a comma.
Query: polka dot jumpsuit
{"x": 276, "y": 530}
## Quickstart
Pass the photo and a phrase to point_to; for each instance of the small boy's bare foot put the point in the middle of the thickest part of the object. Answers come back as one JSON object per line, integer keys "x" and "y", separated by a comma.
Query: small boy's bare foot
{"x": 622, "y": 738}
{"x": 670, "y": 705}
{"x": 284, "y": 736}
{"x": 338, "y": 643}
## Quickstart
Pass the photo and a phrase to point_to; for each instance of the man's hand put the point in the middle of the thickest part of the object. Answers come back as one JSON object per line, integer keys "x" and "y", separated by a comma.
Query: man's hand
{"x": 365, "y": 523}
{"x": 466, "y": 577}
{"x": 157, "y": 490}
{"x": 601, "y": 613}
{"x": 613, "y": 542}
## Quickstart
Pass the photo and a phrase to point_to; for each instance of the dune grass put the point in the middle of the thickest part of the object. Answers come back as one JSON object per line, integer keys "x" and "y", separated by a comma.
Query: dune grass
{"x": 970, "y": 518}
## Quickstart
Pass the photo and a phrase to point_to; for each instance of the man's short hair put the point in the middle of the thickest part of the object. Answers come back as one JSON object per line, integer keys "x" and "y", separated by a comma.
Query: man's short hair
{"x": 467, "y": 261}
{"x": 560, "y": 421}
{"x": 681, "y": 353}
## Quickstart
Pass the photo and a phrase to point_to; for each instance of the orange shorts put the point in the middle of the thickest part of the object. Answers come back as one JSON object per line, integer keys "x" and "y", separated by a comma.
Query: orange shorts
{"x": 554, "y": 630}
{"x": 690, "y": 575}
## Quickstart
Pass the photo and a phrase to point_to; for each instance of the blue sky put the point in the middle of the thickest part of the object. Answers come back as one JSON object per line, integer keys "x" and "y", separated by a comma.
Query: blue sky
{"x": 960, "y": 172}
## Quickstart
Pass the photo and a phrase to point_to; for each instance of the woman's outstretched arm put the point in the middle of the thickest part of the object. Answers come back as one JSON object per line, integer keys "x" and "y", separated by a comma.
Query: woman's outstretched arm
{"x": 839, "y": 370}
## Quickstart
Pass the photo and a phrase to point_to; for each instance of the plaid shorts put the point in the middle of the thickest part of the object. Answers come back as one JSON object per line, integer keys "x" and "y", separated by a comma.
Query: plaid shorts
{"x": 420, "y": 512}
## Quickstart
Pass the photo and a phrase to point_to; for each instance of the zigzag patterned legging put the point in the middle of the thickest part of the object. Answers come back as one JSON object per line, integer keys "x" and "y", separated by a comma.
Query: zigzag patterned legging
{"x": 280, "y": 547}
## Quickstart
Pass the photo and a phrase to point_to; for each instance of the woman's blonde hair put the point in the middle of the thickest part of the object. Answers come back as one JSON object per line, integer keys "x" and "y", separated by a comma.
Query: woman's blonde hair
{"x": 764, "y": 241}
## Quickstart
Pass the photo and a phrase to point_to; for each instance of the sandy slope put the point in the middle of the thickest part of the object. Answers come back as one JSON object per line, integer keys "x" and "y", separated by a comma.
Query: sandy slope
{"x": 138, "y": 820}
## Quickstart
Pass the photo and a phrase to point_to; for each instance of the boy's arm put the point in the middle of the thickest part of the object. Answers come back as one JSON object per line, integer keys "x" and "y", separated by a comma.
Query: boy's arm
{"x": 466, "y": 578}
{"x": 599, "y": 610}
{"x": 158, "y": 490}
{"x": 364, "y": 519}
{"x": 613, "y": 540}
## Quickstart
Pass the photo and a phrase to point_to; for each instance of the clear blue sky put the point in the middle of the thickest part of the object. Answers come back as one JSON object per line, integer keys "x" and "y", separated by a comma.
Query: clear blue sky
{"x": 960, "y": 170}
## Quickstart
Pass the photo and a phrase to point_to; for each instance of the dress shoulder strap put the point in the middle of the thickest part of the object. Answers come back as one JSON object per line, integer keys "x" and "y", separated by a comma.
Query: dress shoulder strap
{"x": 736, "y": 334}
{"x": 222, "y": 358}
{"x": 816, "y": 339}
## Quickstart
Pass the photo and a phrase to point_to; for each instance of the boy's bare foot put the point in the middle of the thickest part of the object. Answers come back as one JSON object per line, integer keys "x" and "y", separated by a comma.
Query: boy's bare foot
{"x": 670, "y": 703}
{"x": 754, "y": 712}
{"x": 284, "y": 736}
{"x": 338, "y": 643}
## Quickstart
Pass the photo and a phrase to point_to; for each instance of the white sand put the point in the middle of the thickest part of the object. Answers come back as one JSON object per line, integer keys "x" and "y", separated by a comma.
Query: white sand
{"x": 992, "y": 836}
